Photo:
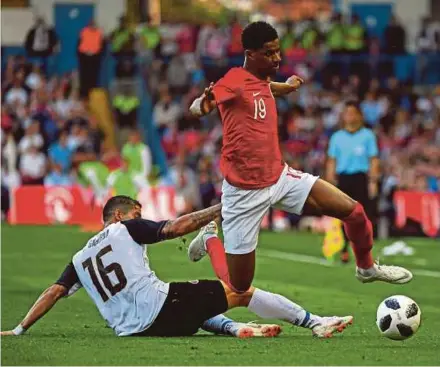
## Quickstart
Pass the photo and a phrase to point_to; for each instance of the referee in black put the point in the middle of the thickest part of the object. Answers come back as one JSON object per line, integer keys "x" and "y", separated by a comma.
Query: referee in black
{"x": 353, "y": 163}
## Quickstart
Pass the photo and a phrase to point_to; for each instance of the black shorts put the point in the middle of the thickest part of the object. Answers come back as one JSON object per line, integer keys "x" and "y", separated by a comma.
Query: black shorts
{"x": 187, "y": 306}
{"x": 355, "y": 186}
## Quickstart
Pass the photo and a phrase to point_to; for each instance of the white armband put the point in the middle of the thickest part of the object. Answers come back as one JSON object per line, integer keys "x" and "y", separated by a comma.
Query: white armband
{"x": 19, "y": 330}
{"x": 196, "y": 107}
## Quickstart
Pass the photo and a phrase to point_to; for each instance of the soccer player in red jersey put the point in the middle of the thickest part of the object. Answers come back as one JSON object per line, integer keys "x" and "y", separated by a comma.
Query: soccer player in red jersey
{"x": 255, "y": 175}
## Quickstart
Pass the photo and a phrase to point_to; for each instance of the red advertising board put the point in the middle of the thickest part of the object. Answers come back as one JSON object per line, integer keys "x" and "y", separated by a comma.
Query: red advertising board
{"x": 75, "y": 205}
{"x": 422, "y": 207}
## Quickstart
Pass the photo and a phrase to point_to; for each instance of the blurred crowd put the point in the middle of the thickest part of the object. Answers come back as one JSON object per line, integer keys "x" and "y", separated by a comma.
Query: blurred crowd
{"x": 49, "y": 136}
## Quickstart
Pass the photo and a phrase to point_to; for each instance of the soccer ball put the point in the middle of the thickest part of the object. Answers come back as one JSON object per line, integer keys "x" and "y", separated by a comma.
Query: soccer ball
{"x": 398, "y": 317}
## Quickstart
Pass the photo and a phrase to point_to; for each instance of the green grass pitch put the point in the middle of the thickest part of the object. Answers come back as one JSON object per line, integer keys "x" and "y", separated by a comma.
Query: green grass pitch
{"x": 73, "y": 333}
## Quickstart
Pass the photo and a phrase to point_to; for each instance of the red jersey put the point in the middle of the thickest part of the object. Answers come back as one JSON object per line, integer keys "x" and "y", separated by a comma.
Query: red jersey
{"x": 251, "y": 156}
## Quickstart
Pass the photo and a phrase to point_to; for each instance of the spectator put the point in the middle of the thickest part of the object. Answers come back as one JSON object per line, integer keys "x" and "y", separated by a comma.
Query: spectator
{"x": 371, "y": 110}
{"x": 138, "y": 157}
{"x": 356, "y": 37}
{"x": 428, "y": 37}
{"x": 187, "y": 188}
{"x": 166, "y": 112}
{"x": 401, "y": 131}
{"x": 96, "y": 136}
{"x": 335, "y": 36}
{"x": 17, "y": 93}
{"x": 65, "y": 104}
{"x": 394, "y": 38}
{"x": 149, "y": 41}
{"x": 56, "y": 177}
{"x": 90, "y": 49}
{"x": 168, "y": 36}
{"x": 122, "y": 40}
{"x": 85, "y": 150}
{"x": 311, "y": 35}
{"x": 125, "y": 104}
{"x": 208, "y": 195}
{"x": 185, "y": 40}
{"x": 216, "y": 43}
{"x": 125, "y": 69}
{"x": 32, "y": 138}
{"x": 235, "y": 48}
{"x": 60, "y": 154}
{"x": 40, "y": 40}
{"x": 75, "y": 138}
{"x": 35, "y": 79}
{"x": 177, "y": 75}
{"x": 288, "y": 39}
{"x": 121, "y": 181}
{"x": 32, "y": 166}
{"x": 203, "y": 37}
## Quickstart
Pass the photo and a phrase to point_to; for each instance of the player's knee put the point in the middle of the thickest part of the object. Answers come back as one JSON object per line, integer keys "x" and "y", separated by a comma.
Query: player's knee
{"x": 352, "y": 204}
{"x": 357, "y": 212}
{"x": 240, "y": 286}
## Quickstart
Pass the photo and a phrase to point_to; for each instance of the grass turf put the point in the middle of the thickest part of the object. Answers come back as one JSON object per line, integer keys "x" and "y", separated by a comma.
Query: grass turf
{"x": 73, "y": 333}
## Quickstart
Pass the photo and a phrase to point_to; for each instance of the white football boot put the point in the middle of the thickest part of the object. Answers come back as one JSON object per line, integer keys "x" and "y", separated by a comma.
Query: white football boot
{"x": 197, "y": 249}
{"x": 251, "y": 330}
{"x": 384, "y": 273}
{"x": 330, "y": 325}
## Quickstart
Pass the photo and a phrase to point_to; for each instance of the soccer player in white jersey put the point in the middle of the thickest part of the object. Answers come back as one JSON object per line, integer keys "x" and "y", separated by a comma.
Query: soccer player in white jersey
{"x": 114, "y": 270}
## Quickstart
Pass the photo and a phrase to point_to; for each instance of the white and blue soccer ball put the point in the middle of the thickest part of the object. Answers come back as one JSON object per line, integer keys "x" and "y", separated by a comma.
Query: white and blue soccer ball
{"x": 398, "y": 317}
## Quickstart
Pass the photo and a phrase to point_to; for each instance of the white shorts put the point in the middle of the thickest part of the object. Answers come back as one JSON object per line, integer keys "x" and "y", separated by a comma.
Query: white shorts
{"x": 243, "y": 210}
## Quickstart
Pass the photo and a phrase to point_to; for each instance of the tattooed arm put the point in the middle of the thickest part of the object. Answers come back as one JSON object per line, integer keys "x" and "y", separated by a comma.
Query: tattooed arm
{"x": 144, "y": 231}
{"x": 190, "y": 222}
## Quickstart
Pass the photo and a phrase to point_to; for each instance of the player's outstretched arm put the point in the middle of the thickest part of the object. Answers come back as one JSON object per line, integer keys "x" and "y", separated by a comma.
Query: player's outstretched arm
{"x": 290, "y": 85}
{"x": 205, "y": 104}
{"x": 43, "y": 304}
{"x": 191, "y": 222}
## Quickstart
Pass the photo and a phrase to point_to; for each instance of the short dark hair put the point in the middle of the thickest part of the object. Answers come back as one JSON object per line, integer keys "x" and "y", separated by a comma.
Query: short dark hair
{"x": 353, "y": 103}
{"x": 256, "y": 34}
{"x": 121, "y": 202}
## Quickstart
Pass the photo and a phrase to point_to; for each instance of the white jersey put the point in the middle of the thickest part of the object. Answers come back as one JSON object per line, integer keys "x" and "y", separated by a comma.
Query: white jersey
{"x": 114, "y": 270}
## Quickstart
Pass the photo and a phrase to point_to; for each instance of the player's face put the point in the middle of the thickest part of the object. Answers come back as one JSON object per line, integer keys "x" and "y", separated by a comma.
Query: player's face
{"x": 133, "y": 213}
{"x": 351, "y": 116}
{"x": 268, "y": 58}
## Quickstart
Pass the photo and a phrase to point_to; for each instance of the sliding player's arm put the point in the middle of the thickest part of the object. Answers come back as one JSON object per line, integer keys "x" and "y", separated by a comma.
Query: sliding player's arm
{"x": 66, "y": 285}
{"x": 191, "y": 222}
{"x": 290, "y": 85}
{"x": 145, "y": 231}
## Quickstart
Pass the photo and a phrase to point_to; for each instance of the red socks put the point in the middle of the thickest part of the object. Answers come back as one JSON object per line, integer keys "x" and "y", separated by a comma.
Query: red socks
{"x": 216, "y": 252}
{"x": 359, "y": 231}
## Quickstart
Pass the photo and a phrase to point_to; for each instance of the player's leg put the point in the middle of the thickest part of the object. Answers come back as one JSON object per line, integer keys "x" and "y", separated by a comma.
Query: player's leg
{"x": 302, "y": 193}
{"x": 269, "y": 305}
{"x": 355, "y": 186}
{"x": 264, "y": 304}
{"x": 207, "y": 241}
{"x": 223, "y": 325}
{"x": 326, "y": 199}
{"x": 242, "y": 212}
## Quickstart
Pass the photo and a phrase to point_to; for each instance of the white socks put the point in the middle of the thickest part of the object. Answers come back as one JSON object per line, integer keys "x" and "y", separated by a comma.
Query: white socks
{"x": 274, "y": 306}
{"x": 219, "y": 324}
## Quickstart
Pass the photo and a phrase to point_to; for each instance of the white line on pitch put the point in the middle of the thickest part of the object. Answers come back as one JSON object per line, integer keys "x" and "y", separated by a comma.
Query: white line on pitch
{"x": 307, "y": 259}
